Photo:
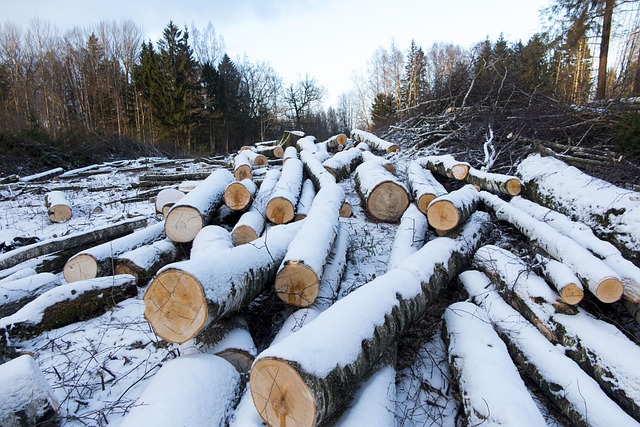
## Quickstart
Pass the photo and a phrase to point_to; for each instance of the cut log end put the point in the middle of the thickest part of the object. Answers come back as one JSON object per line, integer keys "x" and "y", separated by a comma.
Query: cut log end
{"x": 175, "y": 306}
{"x": 125, "y": 269}
{"x": 393, "y": 149}
{"x": 278, "y": 152}
{"x": 514, "y": 187}
{"x": 280, "y": 211}
{"x": 59, "y": 213}
{"x": 261, "y": 160}
{"x": 346, "y": 211}
{"x": 243, "y": 172}
{"x": 387, "y": 202}
{"x": 443, "y": 215}
{"x": 460, "y": 171}
{"x": 423, "y": 202}
{"x": 81, "y": 267}
{"x": 609, "y": 290}
{"x": 243, "y": 234}
{"x": 237, "y": 197}
{"x": 572, "y": 294}
{"x": 297, "y": 284}
{"x": 183, "y": 223}
{"x": 280, "y": 395}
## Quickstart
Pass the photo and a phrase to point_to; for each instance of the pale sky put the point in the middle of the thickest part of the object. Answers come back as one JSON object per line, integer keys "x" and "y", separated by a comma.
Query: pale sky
{"x": 326, "y": 39}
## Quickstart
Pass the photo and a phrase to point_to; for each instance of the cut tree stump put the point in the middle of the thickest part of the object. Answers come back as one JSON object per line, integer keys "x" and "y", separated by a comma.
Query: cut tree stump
{"x": 58, "y": 207}
{"x": 424, "y": 187}
{"x": 242, "y": 167}
{"x": 15, "y": 294}
{"x": 196, "y": 209}
{"x": 144, "y": 262}
{"x": 251, "y": 224}
{"x": 384, "y": 196}
{"x": 281, "y": 207}
{"x": 239, "y": 195}
{"x": 448, "y": 211}
{"x": 446, "y": 165}
{"x": 343, "y": 163}
{"x": 494, "y": 182}
{"x": 166, "y": 198}
{"x": 373, "y": 141}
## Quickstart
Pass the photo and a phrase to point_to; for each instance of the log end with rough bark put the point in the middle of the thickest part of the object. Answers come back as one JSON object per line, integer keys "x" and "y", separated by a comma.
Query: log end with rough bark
{"x": 280, "y": 395}
{"x": 237, "y": 197}
{"x": 243, "y": 172}
{"x": 81, "y": 267}
{"x": 297, "y": 284}
{"x": 609, "y": 290}
{"x": 183, "y": 223}
{"x": 280, "y": 210}
{"x": 387, "y": 202}
{"x": 175, "y": 306}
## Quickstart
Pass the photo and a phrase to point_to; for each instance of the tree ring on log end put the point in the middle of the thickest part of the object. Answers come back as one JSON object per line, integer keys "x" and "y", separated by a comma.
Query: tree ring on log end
{"x": 459, "y": 171}
{"x": 280, "y": 211}
{"x": 59, "y": 213}
{"x": 423, "y": 202}
{"x": 393, "y": 149}
{"x": 243, "y": 172}
{"x": 182, "y": 224}
{"x": 572, "y": 294}
{"x": 81, "y": 267}
{"x": 261, "y": 160}
{"x": 514, "y": 187}
{"x": 443, "y": 215}
{"x": 280, "y": 395}
{"x": 297, "y": 284}
{"x": 243, "y": 234}
{"x": 125, "y": 269}
{"x": 237, "y": 196}
{"x": 175, "y": 306}
{"x": 387, "y": 202}
{"x": 346, "y": 210}
{"x": 609, "y": 290}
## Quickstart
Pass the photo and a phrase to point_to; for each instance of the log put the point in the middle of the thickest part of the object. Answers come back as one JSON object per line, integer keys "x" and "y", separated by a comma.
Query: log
{"x": 410, "y": 236}
{"x": 612, "y": 212}
{"x": 448, "y": 211}
{"x": 289, "y": 153}
{"x": 384, "y": 196}
{"x": 107, "y": 232}
{"x": 424, "y": 187}
{"x": 336, "y": 142}
{"x": 144, "y": 262}
{"x": 290, "y": 137}
{"x": 368, "y": 156}
{"x": 373, "y": 141}
{"x": 576, "y": 394}
{"x": 307, "y": 194}
{"x": 251, "y": 224}
{"x": 242, "y": 167}
{"x": 26, "y": 396}
{"x": 563, "y": 280}
{"x": 494, "y": 182}
{"x": 298, "y": 279}
{"x": 309, "y": 376}
{"x": 601, "y": 280}
{"x": 270, "y": 151}
{"x": 58, "y": 207}
{"x": 166, "y": 198}
{"x": 15, "y": 294}
{"x": 196, "y": 209}
{"x": 209, "y": 241}
{"x": 191, "y": 390}
{"x": 314, "y": 169}
{"x": 346, "y": 211}
{"x": 238, "y": 196}
{"x": 446, "y": 165}
{"x": 164, "y": 178}
{"x": 475, "y": 354}
{"x": 67, "y": 304}
{"x": 282, "y": 203}
{"x": 343, "y": 163}
{"x": 20, "y": 273}
{"x": 99, "y": 261}
{"x": 42, "y": 176}
{"x": 186, "y": 296}
{"x": 307, "y": 143}
{"x": 256, "y": 159}
{"x": 322, "y": 153}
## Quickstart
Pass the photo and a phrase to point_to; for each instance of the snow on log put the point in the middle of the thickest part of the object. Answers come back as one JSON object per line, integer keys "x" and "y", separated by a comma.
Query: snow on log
{"x": 209, "y": 241}
{"x": 289, "y": 153}
{"x": 144, "y": 262}
{"x": 494, "y": 182}
{"x": 99, "y": 261}
{"x": 282, "y": 203}
{"x": 490, "y": 386}
{"x": 322, "y": 154}
{"x": 448, "y": 211}
{"x": 307, "y": 143}
{"x": 315, "y": 170}
{"x": 245, "y": 414}
{"x": 255, "y": 159}
{"x": 239, "y": 195}
{"x": 612, "y": 212}
{"x": 42, "y": 176}
{"x": 307, "y": 194}
{"x": 271, "y": 151}
{"x": 242, "y": 167}
{"x": 563, "y": 280}
{"x": 298, "y": 278}
{"x": 58, "y": 207}
{"x": 191, "y": 390}
{"x": 368, "y": 156}
{"x": 167, "y": 198}
{"x": 251, "y": 224}
{"x": 385, "y": 197}
{"x": 309, "y": 376}
{"x": 582, "y": 234}
{"x": 336, "y": 142}
{"x": 410, "y": 236}
{"x": 446, "y": 165}
{"x": 373, "y": 141}
{"x": 343, "y": 163}
{"x": 17, "y": 274}
{"x": 599, "y": 278}
{"x": 82, "y": 239}
{"x": 574, "y": 392}
{"x": 196, "y": 209}
{"x": 67, "y": 304}
{"x": 185, "y": 296}
{"x": 424, "y": 187}
{"x": 15, "y": 294}
{"x": 26, "y": 397}
{"x": 289, "y": 138}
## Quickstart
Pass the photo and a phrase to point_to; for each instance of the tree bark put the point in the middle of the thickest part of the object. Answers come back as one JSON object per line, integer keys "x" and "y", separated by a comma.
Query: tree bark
{"x": 563, "y": 280}
{"x": 270, "y": 151}
{"x": 368, "y": 156}
{"x": 290, "y": 137}
{"x": 605, "y": 37}
{"x": 343, "y": 163}
{"x": 336, "y": 142}
{"x": 238, "y": 196}
{"x": 306, "y": 143}
{"x": 282, "y": 203}
{"x": 410, "y": 236}
{"x": 58, "y": 207}
{"x": 424, "y": 187}
{"x": 373, "y": 141}
{"x": 211, "y": 240}
{"x": 144, "y": 262}
{"x": 307, "y": 194}
{"x": 15, "y": 294}
{"x": 166, "y": 198}
{"x": 384, "y": 196}
{"x": 256, "y": 159}
{"x": 494, "y": 182}
{"x": 448, "y": 211}
{"x": 446, "y": 166}
{"x": 316, "y": 172}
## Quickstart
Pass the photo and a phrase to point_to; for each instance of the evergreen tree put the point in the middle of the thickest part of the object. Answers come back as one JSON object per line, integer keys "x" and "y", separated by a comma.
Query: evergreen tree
{"x": 383, "y": 110}
{"x": 414, "y": 88}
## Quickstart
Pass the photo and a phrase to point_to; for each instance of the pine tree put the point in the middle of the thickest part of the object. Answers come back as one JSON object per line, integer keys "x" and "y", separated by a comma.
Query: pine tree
{"x": 414, "y": 87}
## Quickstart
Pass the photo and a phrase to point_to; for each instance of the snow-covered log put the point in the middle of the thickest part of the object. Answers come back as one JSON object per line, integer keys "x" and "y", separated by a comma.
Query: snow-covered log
{"x": 58, "y": 207}
{"x": 312, "y": 374}
{"x": 76, "y": 240}
{"x": 66, "y": 304}
{"x": 322, "y": 153}
{"x": 289, "y": 153}
{"x": 576, "y": 394}
{"x": 99, "y": 261}
{"x": 15, "y": 294}
{"x": 343, "y": 163}
{"x": 490, "y": 386}
{"x": 239, "y": 195}
{"x": 255, "y": 159}
{"x": 368, "y": 156}
{"x": 373, "y": 141}
{"x": 251, "y": 224}
{"x": 410, "y": 236}
{"x": 612, "y": 212}
{"x": 307, "y": 143}
{"x": 316, "y": 172}
{"x": 281, "y": 207}
{"x": 289, "y": 138}
{"x": 166, "y": 198}
{"x": 145, "y": 261}
{"x": 242, "y": 167}
{"x": 196, "y": 209}
{"x": 582, "y": 234}
{"x": 20, "y": 273}
{"x": 307, "y": 194}
{"x": 600, "y": 279}
{"x": 270, "y": 151}
{"x": 384, "y": 196}
{"x": 26, "y": 397}
{"x": 494, "y": 182}
{"x": 424, "y": 187}
{"x": 563, "y": 279}
{"x": 42, "y": 176}
{"x": 336, "y": 142}
{"x": 448, "y": 211}
{"x": 185, "y": 296}
{"x": 298, "y": 279}
{"x": 209, "y": 241}
{"x": 191, "y": 390}
{"x": 446, "y": 165}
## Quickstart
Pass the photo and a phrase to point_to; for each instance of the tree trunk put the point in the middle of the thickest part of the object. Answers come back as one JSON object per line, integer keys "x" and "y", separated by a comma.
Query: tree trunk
{"x": 256, "y": 159}
{"x": 307, "y": 195}
{"x": 239, "y": 195}
{"x": 605, "y": 37}
{"x": 58, "y": 207}
{"x": 316, "y": 172}
{"x": 368, "y": 156}
{"x": 373, "y": 141}
{"x": 211, "y": 240}
{"x": 448, "y": 211}
{"x": 307, "y": 143}
{"x": 242, "y": 167}
{"x": 271, "y": 151}
{"x": 494, "y": 182}
{"x": 290, "y": 137}
{"x": 309, "y": 376}
{"x": 282, "y": 203}
{"x": 410, "y": 236}
{"x": 343, "y": 163}
{"x": 144, "y": 262}
{"x": 15, "y": 294}
{"x": 424, "y": 187}
{"x": 336, "y": 142}
{"x": 289, "y": 153}
{"x": 384, "y": 196}
{"x": 446, "y": 165}
{"x": 42, "y": 176}
{"x": 563, "y": 280}
{"x": 166, "y": 198}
